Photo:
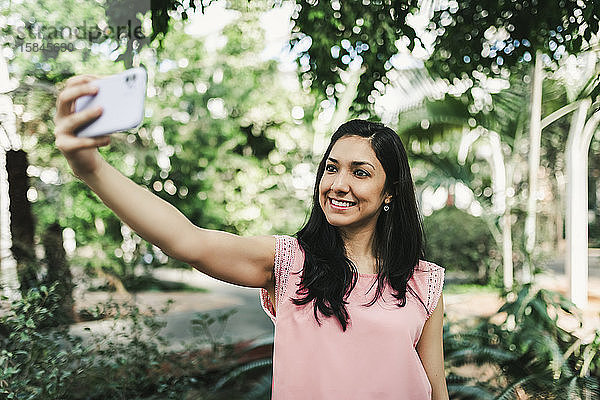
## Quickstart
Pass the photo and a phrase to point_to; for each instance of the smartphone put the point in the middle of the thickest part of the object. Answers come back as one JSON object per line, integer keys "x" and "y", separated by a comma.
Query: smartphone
{"x": 121, "y": 97}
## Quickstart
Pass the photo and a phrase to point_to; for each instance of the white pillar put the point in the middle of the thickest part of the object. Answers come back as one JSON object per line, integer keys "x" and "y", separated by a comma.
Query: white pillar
{"x": 535, "y": 134}
{"x": 499, "y": 206}
{"x": 499, "y": 185}
{"x": 576, "y": 218}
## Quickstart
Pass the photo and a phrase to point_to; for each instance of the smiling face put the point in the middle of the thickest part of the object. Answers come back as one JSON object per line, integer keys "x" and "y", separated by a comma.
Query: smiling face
{"x": 351, "y": 191}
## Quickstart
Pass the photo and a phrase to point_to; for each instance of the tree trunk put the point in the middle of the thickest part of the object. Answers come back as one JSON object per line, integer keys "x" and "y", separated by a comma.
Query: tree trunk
{"x": 9, "y": 281}
{"x": 22, "y": 225}
{"x": 59, "y": 273}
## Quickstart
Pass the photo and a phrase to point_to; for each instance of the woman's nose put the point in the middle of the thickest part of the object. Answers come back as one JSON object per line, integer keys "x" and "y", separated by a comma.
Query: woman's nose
{"x": 340, "y": 183}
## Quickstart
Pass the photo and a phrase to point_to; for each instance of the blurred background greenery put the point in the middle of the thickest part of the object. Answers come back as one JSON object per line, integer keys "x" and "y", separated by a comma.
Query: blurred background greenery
{"x": 242, "y": 98}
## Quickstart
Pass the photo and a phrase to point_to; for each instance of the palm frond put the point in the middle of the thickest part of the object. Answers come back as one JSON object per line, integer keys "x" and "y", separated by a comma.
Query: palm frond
{"x": 481, "y": 355}
{"x": 547, "y": 353}
{"x": 517, "y": 307}
{"x": 571, "y": 388}
{"x": 261, "y": 389}
{"x": 510, "y": 391}
{"x": 453, "y": 379}
{"x": 474, "y": 334}
{"x": 235, "y": 373}
{"x": 447, "y": 165}
{"x": 435, "y": 119}
{"x": 590, "y": 387}
{"x": 591, "y": 87}
{"x": 469, "y": 392}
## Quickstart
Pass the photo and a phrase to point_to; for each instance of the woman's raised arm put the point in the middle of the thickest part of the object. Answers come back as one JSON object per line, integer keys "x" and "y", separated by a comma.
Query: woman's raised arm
{"x": 246, "y": 261}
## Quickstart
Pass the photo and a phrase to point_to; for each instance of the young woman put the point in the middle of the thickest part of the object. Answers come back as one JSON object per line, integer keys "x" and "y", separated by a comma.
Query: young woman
{"x": 358, "y": 314}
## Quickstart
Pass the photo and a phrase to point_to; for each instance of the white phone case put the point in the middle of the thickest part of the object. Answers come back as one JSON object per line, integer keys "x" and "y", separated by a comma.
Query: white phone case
{"x": 121, "y": 97}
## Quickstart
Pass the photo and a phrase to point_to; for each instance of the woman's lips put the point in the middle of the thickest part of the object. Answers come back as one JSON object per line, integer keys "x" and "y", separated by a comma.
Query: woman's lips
{"x": 337, "y": 207}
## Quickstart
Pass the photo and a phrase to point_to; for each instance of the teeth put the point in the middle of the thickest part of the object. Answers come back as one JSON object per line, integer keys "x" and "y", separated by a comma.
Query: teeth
{"x": 341, "y": 203}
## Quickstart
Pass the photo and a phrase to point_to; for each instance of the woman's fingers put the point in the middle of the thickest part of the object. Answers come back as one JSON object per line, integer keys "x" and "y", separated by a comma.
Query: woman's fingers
{"x": 77, "y": 79}
{"x": 65, "y": 102}
{"x": 66, "y": 99}
{"x": 68, "y": 124}
{"x": 97, "y": 141}
{"x": 67, "y": 144}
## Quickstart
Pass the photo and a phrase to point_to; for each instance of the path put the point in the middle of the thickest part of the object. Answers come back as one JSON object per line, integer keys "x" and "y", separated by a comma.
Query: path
{"x": 249, "y": 322}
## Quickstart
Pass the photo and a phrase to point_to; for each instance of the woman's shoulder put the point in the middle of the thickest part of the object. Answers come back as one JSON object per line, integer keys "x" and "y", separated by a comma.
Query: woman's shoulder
{"x": 428, "y": 281}
{"x": 287, "y": 242}
{"x": 288, "y": 249}
{"x": 427, "y": 276}
{"x": 285, "y": 237}
{"x": 427, "y": 266}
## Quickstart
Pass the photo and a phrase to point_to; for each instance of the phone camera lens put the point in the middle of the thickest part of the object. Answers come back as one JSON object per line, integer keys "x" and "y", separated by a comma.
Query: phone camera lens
{"x": 129, "y": 80}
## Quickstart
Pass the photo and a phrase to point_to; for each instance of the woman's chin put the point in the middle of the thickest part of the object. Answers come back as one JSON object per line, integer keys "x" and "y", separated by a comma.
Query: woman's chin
{"x": 338, "y": 221}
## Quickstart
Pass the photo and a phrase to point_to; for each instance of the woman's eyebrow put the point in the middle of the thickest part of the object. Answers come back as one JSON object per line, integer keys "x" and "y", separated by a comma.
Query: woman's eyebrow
{"x": 358, "y": 163}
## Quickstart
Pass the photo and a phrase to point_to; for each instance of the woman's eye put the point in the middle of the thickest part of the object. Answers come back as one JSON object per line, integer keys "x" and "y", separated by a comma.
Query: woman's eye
{"x": 359, "y": 172}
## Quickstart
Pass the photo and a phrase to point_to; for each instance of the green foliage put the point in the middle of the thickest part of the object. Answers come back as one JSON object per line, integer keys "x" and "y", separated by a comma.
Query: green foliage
{"x": 446, "y": 116}
{"x": 233, "y": 173}
{"x": 35, "y": 362}
{"x": 442, "y": 124}
{"x": 470, "y": 288}
{"x": 457, "y": 240}
{"x": 491, "y": 36}
{"x": 127, "y": 361}
{"x": 124, "y": 361}
{"x": 344, "y": 31}
{"x": 526, "y": 353}
{"x": 202, "y": 327}
{"x": 43, "y": 22}
{"x": 236, "y": 163}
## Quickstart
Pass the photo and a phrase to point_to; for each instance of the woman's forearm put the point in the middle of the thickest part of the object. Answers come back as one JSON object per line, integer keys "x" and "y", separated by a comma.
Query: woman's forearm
{"x": 439, "y": 390}
{"x": 151, "y": 217}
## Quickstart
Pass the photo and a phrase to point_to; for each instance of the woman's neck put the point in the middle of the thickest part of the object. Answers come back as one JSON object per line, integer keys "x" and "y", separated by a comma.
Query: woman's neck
{"x": 359, "y": 246}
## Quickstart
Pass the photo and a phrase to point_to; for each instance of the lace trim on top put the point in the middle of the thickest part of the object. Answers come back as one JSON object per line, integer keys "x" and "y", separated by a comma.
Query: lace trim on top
{"x": 285, "y": 247}
{"x": 435, "y": 284}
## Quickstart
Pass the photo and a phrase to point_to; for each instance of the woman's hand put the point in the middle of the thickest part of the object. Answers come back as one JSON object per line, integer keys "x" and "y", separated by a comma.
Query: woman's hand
{"x": 81, "y": 153}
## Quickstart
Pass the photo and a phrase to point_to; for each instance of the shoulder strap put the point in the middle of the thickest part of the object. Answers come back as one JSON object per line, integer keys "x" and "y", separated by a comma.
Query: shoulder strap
{"x": 285, "y": 253}
{"x": 435, "y": 284}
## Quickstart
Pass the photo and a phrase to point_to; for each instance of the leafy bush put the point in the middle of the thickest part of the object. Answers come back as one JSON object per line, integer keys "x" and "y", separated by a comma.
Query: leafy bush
{"x": 125, "y": 363}
{"x": 37, "y": 362}
{"x": 128, "y": 362}
{"x": 459, "y": 241}
{"x": 527, "y": 355}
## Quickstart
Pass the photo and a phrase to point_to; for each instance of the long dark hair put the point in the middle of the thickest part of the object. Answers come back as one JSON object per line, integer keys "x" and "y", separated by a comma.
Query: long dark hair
{"x": 328, "y": 275}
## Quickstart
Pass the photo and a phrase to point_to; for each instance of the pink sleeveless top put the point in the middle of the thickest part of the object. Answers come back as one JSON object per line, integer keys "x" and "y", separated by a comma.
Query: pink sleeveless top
{"x": 374, "y": 359}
